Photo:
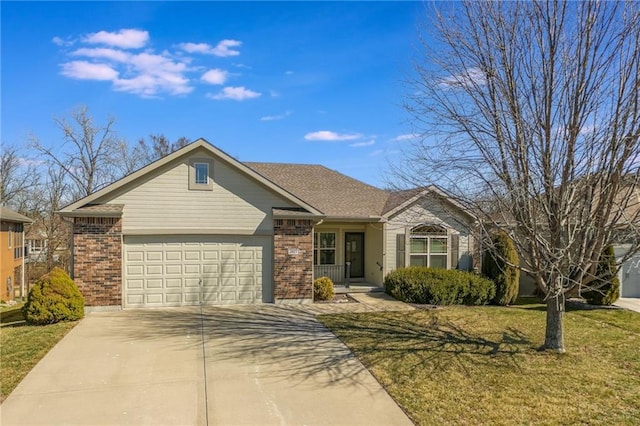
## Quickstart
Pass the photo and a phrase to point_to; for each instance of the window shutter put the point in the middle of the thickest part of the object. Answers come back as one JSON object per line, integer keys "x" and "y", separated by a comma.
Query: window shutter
{"x": 400, "y": 251}
{"x": 455, "y": 251}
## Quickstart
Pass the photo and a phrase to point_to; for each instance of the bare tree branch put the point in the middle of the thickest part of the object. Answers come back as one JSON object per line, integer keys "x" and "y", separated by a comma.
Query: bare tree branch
{"x": 530, "y": 116}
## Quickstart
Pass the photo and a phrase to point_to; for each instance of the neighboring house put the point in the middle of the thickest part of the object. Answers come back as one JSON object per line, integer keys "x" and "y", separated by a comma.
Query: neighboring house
{"x": 198, "y": 226}
{"x": 12, "y": 251}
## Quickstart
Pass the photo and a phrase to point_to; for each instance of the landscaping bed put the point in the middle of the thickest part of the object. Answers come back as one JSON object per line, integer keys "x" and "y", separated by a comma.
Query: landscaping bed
{"x": 481, "y": 365}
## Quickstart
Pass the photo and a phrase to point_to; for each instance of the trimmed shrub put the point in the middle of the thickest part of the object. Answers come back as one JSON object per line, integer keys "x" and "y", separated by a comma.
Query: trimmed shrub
{"x": 54, "y": 298}
{"x": 496, "y": 265}
{"x": 323, "y": 289}
{"x": 607, "y": 284}
{"x": 438, "y": 286}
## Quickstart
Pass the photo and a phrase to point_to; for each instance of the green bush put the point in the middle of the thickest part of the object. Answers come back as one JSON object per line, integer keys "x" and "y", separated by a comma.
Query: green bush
{"x": 496, "y": 265}
{"x": 323, "y": 289}
{"x": 606, "y": 287}
{"x": 54, "y": 298}
{"x": 438, "y": 286}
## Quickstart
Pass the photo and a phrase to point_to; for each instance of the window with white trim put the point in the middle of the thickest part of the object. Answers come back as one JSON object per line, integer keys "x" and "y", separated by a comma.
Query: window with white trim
{"x": 202, "y": 173}
{"x": 428, "y": 246}
{"x": 324, "y": 248}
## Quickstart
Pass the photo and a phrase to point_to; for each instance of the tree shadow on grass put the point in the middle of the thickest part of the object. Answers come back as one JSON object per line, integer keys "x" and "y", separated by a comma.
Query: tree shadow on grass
{"x": 434, "y": 345}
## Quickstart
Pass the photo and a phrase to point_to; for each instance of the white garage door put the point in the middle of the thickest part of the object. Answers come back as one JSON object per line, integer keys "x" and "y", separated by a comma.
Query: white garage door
{"x": 631, "y": 277}
{"x": 189, "y": 270}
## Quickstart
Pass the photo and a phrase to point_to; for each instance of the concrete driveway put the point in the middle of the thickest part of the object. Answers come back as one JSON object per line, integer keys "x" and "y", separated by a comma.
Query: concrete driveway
{"x": 631, "y": 303}
{"x": 248, "y": 365}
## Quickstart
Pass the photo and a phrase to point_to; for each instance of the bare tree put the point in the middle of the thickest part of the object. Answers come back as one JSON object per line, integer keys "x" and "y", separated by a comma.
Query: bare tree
{"x": 90, "y": 153}
{"x": 530, "y": 115}
{"x": 157, "y": 147}
{"x": 17, "y": 177}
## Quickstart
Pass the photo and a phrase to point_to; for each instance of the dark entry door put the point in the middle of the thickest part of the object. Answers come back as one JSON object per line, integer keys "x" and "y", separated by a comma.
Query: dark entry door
{"x": 354, "y": 252}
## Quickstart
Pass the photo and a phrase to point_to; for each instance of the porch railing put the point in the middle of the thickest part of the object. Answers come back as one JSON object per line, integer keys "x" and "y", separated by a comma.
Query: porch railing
{"x": 337, "y": 273}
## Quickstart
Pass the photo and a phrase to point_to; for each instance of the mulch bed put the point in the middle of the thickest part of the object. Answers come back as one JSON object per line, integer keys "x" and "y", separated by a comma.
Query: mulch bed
{"x": 339, "y": 298}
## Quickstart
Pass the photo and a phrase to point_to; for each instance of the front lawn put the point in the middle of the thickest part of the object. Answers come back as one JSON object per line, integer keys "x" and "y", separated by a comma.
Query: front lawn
{"x": 22, "y": 346}
{"x": 480, "y": 365}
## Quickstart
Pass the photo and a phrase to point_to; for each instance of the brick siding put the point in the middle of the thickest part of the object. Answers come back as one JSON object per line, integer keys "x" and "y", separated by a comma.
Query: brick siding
{"x": 293, "y": 273}
{"x": 98, "y": 260}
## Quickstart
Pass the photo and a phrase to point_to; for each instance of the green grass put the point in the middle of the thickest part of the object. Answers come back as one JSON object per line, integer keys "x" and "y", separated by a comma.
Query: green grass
{"x": 481, "y": 365}
{"x": 22, "y": 346}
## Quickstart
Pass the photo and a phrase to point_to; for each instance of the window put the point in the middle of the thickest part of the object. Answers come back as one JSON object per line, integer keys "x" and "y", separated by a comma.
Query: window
{"x": 202, "y": 173}
{"x": 428, "y": 246}
{"x": 10, "y": 238}
{"x": 324, "y": 248}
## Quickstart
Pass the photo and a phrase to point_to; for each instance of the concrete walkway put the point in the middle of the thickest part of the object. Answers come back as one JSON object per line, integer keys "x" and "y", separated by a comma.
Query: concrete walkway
{"x": 245, "y": 365}
{"x": 367, "y": 302}
{"x": 631, "y": 303}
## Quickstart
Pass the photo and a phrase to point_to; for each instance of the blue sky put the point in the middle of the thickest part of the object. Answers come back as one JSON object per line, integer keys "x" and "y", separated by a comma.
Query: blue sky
{"x": 307, "y": 82}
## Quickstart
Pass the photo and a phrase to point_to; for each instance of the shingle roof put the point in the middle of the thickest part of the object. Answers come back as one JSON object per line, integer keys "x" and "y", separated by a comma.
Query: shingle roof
{"x": 107, "y": 210}
{"x": 8, "y": 215}
{"x": 331, "y": 192}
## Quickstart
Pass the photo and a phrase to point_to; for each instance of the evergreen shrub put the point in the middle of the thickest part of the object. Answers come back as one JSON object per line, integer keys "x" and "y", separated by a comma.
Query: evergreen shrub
{"x": 499, "y": 264}
{"x": 438, "y": 286}
{"x": 323, "y": 289}
{"x": 54, "y": 298}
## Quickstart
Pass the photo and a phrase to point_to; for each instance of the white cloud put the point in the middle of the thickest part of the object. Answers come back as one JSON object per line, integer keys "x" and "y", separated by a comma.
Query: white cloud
{"x": 405, "y": 137}
{"x": 214, "y": 76}
{"x": 235, "y": 93}
{"x": 59, "y": 41}
{"x": 103, "y": 53}
{"x": 288, "y": 72}
{"x": 84, "y": 70}
{"x": 125, "y": 38}
{"x": 376, "y": 152}
{"x": 469, "y": 77}
{"x": 222, "y": 49}
{"x": 276, "y": 117}
{"x": 326, "y": 135}
{"x": 145, "y": 74}
{"x": 362, "y": 144}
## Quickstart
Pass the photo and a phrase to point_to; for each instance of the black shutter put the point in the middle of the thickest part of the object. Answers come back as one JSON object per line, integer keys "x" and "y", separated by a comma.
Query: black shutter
{"x": 455, "y": 251}
{"x": 400, "y": 251}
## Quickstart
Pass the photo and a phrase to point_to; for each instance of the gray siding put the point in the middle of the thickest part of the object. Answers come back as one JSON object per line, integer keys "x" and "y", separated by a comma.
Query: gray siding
{"x": 429, "y": 210}
{"x": 163, "y": 203}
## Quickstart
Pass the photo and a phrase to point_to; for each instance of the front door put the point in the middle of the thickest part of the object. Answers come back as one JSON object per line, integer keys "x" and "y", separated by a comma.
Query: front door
{"x": 354, "y": 253}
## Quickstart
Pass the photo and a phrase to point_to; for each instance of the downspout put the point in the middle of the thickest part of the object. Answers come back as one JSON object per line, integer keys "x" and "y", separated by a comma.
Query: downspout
{"x": 23, "y": 265}
{"x": 72, "y": 272}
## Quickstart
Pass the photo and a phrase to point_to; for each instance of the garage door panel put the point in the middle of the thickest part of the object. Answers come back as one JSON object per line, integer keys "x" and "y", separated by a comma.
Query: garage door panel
{"x": 135, "y": 284}
{"x": 171, "y": 256}
{"x": 173, "y": 269}
{"x": 135, "y": 256}
{"x": 191, "y": 255}
{"x": 187, "y": 270}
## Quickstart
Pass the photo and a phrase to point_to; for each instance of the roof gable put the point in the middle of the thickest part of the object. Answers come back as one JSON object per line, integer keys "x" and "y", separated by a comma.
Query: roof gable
{"x": 120, "y": 185}
{"x": 400, "y": 200}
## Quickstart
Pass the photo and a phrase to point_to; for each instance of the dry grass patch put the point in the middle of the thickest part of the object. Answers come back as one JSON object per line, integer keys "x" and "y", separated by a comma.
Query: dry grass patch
{"x": 22, "y": 346}
{"x": 481, "y": 365}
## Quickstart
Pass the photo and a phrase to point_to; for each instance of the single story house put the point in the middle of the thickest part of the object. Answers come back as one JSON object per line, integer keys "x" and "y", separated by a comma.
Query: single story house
{"x": 199, "y": 226}
{"x": 12, "y": 253}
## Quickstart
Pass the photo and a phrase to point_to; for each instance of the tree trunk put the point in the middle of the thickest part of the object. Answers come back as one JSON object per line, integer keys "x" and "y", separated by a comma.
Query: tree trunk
{"x": 554, "y": 336}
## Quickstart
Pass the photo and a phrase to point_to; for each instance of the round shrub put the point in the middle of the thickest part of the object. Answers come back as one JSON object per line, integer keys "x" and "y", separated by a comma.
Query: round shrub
{"x": 499, "y": 264}
{"x": 52, "y": 299}
{"x": 438, "y": 286}
{"x": 606, "y": 287}
{"x": 323, "y": 289}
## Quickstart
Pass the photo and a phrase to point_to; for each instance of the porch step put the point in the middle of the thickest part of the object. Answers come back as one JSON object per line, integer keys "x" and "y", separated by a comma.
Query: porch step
{"x": 357, "y": 288}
